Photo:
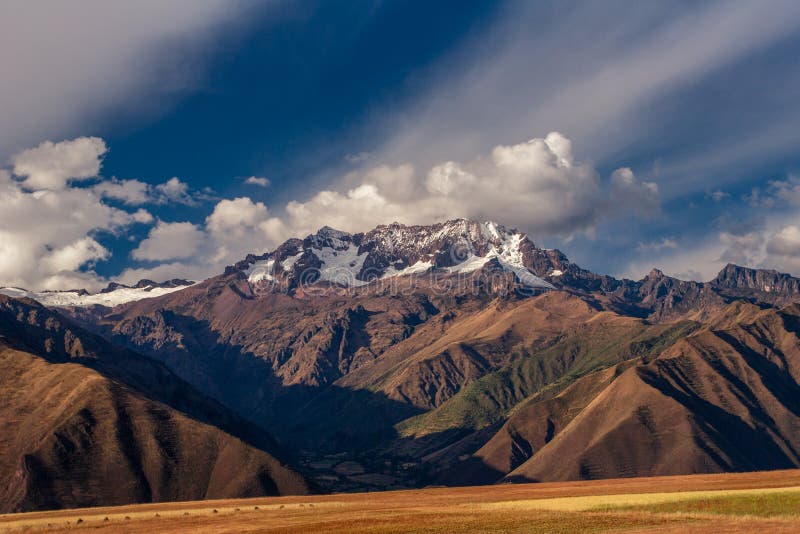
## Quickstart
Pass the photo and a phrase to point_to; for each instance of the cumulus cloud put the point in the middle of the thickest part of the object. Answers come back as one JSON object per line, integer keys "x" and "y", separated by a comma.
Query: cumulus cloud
{"x": 131, "y": 192}
{"x": 72, "y": 256}
{"x": 232, "y": 216}
{"x": 258, "y": 180}
{"x": 51, "y": 223}
{"x": 783, "y": 249}
{"x": 174, "y": 190}
{"x": 235, "y": 228}
{"x": 142, "y": 216}
{"x": 168, "y": 241}
{"x": 536, "y": 185}
{"x": 47, "y": 237}
{"x": 240, "y": 226}
{"x": 50, "y": 165}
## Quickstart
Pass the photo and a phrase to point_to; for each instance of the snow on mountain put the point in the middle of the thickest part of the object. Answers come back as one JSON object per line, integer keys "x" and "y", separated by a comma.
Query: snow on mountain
{"x": 112, "y": 296}
{"x": 341, "y": 266}
{"x": 458, "y": 246}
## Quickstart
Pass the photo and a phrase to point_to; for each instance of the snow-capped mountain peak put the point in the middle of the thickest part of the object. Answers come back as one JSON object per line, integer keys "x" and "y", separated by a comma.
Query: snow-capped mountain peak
{"x": 456, "y": 246}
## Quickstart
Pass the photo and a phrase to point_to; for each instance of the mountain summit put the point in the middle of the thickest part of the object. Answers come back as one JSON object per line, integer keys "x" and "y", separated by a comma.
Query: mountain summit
{"x": 457, "y": 246}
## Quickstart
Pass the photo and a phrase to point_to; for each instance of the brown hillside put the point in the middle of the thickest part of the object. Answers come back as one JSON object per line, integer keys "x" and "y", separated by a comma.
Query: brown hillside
{"x": 86, "y": 424}
{"x": 718, "y": 400}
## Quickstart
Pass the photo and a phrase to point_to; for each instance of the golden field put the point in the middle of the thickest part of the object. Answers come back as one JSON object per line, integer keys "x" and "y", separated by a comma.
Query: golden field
{"x": 700, "y": 503}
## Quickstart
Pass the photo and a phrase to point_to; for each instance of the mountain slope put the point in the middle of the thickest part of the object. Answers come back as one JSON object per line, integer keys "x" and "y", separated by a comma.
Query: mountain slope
{"x": 83, "y": 423}
{"x": 465, "y": 353}
{"x": 717, "y": 400}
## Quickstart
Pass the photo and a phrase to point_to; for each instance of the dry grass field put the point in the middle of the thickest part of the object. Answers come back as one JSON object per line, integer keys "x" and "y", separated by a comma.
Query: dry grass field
{"x": 769, "y": 501}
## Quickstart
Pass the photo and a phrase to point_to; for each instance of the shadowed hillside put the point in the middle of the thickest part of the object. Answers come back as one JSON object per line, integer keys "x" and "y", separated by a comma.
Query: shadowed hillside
{"x": 83, "y": 423}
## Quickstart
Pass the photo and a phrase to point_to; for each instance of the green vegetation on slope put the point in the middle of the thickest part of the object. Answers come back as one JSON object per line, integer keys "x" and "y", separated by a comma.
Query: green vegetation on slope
{"x": 589, "y": 348}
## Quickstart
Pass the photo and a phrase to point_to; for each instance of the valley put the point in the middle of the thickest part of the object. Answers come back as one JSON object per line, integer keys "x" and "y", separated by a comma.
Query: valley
{"x": 738, "y": 502}
{"x": 406, "y": 357}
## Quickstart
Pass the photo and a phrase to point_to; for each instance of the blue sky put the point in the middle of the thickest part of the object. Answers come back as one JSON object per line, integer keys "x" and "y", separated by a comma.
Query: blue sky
{"x": 676, "y": 143}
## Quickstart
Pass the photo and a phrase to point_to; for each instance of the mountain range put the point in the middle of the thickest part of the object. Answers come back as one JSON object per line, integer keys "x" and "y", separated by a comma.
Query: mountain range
{"x": 457, "y": 353}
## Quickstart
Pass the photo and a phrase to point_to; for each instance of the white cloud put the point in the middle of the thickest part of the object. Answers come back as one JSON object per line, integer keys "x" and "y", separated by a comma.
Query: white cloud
{"x": 777, "y": 192}
{"x": 258, "y": 180}
{"x": 771, "y": 244}
{"x": 174, "y": 190}
{"x": 49, "y": 236}
{"x": 447, "y": 177}
{"x": 536, "y": 185}
{"x": 230, "y": 217}
{"x": 168, "y": 241}
{"x": 235, "y": 228}
{"x": 783, "y": 249}
{"x": 132, "y": 192}
{"x": 136, "y": 192}
{"x": 74, "y": 255}
{"x": 50, "y": 165}
{"x": 142, "y": 216}
{"x": 46, "y": 236}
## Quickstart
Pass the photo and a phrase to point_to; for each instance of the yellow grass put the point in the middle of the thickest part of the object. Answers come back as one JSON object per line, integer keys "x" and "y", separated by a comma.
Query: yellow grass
{"x": 705, "y": 503}
{"x": 638, "y": 500}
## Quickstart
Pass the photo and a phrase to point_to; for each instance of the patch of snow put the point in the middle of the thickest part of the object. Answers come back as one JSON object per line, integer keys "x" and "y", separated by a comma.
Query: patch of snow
{"x": 289, "y": 261}
{"x": 260, "y": 270}
{"x": 15, "y": 292}
{"x": 509, "y": 256}
{"x": 490, "y": 230}
{"x": 341, "y": 266}
{"x": 419, "y": 267}
{"x": 62, "y": 299}
{"x": 556, "y": 272}
{"x": 471, "y": 264}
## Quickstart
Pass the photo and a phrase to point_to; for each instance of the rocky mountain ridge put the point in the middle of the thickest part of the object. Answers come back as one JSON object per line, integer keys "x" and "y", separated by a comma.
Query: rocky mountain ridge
{"x": 464, "y": 247}
{"x": 457, "y": 246}
{"x": 412, "y": 355}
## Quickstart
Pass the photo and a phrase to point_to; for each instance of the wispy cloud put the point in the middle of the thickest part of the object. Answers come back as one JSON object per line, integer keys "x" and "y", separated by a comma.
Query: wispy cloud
{"x": 62, "y": 61}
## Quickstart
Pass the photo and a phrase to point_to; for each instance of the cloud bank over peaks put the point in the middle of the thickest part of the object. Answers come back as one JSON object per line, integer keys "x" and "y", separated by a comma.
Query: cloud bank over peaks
{"x": 761, "y": 232}
{"x": 47, "y": 238}
{"x": 51, "y": 217}
{"x": 55, "y": 206}
{"x": 536, "y": 185}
